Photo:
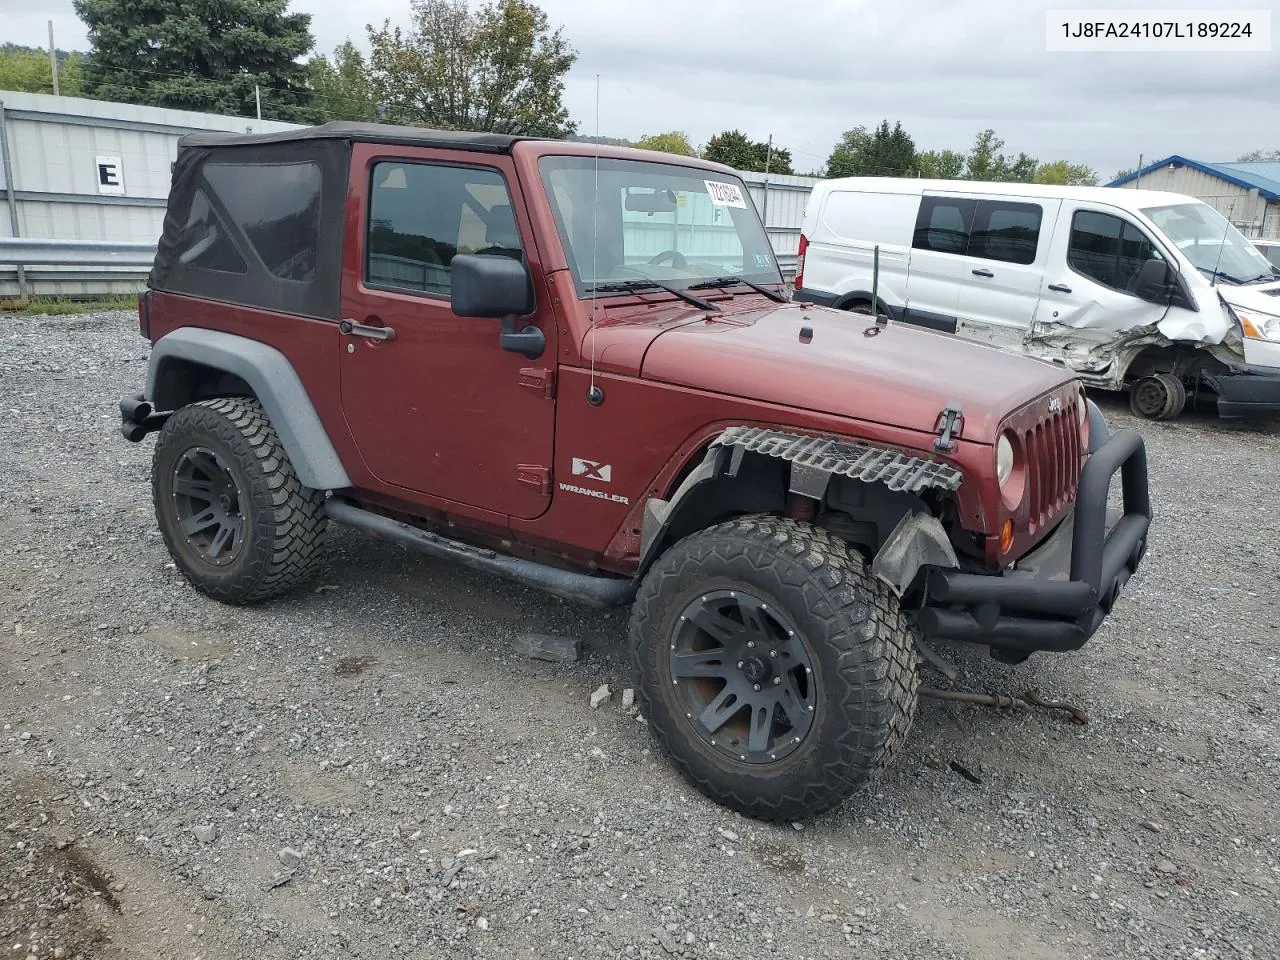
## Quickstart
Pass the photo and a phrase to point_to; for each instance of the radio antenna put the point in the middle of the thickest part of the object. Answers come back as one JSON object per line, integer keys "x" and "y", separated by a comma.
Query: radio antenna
{"x": 1213, "y": 280}
{"x": 595, "y": 396}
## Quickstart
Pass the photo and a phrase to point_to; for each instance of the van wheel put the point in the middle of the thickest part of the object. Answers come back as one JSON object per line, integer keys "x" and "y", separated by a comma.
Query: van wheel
{"x": 774, "y": 670}
{"x": 1159, "y": 397}
{"x": 1177, "y": 395}
{"x": 237, "y": 521}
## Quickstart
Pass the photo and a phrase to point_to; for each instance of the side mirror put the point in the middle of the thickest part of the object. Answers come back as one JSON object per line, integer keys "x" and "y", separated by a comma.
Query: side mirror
{"x": 498, "y": 287}
{"x": 1154, "y": 282}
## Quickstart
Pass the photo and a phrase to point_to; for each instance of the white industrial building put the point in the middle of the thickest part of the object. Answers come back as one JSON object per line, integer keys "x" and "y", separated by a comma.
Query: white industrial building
{"x": 86, "y": 170}
{"x": 1245, "y": 192}
{"x": 73, "y": 169}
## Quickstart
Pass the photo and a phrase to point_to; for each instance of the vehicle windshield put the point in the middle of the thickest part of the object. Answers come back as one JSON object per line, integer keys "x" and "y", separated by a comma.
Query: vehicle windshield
{"x": 654, "y": 223}
{"x": 1211, "y": 243}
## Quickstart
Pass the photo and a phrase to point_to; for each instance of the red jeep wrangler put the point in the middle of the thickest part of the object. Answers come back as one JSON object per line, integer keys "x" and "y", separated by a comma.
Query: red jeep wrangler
{"x": 577, "y": 367}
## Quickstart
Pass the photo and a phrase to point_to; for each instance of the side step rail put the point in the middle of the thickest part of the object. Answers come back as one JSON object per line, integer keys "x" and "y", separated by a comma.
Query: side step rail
{"x": 596, "y": 591}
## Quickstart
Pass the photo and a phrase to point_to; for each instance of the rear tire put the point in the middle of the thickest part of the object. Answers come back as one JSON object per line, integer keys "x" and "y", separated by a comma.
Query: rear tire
{"x": 797, "y": 625}
{"x": 237, "y": 521}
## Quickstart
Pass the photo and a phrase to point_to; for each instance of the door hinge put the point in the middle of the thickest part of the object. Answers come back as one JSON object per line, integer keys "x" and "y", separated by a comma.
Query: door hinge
{"x": 534, "y": 475}
{"x": 540, "y": 380}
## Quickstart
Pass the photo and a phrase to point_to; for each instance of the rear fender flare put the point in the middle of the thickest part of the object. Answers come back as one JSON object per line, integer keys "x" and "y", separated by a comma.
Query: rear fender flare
{"x": 274, "y": 383}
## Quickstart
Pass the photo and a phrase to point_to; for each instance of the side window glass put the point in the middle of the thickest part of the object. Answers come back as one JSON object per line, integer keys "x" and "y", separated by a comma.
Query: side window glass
{"x": 421, "y": 216}
{"x": 280, "y": 216}
{"x": 206, "y": 244}
{"x": 1108, "y": 249}
{"x": 1006, "y": 231}
{"x": 942, "y": 225}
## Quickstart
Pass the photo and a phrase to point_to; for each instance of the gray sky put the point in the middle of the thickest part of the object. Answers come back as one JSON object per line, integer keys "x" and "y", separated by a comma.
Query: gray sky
{"x": 807, "y": 71}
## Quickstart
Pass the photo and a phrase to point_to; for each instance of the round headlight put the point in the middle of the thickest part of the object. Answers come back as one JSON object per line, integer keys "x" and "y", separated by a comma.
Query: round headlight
{"x": 1004, "y": 459}
{"x": 1082, "y": 410}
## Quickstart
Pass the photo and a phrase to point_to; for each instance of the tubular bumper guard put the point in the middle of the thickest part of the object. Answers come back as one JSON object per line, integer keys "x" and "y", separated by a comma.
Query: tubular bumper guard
{"x": 1055, "y": 609}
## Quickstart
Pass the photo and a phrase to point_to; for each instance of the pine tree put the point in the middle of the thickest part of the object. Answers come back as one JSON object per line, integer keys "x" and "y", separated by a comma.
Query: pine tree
{"x": 204, "y": 55}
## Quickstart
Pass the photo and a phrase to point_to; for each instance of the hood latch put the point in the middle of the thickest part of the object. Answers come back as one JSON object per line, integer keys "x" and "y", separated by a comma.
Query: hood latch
{"x": 950, "y": 424}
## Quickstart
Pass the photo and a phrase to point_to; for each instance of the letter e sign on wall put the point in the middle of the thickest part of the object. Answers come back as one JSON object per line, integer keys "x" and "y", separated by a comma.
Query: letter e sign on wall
{"x": 110, "y": 176}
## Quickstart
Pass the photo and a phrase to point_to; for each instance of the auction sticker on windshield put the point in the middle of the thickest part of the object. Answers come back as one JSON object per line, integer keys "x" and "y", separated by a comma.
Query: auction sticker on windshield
{"x": 725, "y": 194}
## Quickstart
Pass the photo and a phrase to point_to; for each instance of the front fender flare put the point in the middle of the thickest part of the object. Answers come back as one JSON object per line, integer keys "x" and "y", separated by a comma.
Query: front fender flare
{"x": 812, "y": 461}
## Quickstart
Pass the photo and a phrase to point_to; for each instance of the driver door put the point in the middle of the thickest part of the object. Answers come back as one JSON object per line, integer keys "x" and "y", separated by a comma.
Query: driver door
{"x": 434, "y": 404}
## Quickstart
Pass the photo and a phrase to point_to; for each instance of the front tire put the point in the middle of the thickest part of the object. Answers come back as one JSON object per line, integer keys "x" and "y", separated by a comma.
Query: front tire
{"x": 775, "y": 671}
{"x": 236, "y": 519}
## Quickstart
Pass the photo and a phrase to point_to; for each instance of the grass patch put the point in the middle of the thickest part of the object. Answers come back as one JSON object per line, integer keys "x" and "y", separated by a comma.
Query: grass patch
{"x": 53, "y": 306}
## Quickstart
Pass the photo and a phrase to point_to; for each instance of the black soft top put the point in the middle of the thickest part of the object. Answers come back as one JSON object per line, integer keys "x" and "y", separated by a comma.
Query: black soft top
{"x": 366, "y": 133}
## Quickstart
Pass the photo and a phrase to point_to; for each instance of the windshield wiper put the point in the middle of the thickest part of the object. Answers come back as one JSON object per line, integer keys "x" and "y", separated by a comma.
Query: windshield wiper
{"x": 727, "y": 281}
{"x": 1219, "y": 275}
{"x": 624, "y": 285}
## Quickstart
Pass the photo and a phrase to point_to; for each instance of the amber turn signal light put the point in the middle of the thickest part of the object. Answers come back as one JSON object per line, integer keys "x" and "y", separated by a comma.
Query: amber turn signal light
{"x": 1006, "y": 536}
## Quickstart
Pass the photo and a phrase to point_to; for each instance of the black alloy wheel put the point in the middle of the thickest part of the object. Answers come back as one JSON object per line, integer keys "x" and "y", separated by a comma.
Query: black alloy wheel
{"x": 207, "y": 500}
{"x": 744, "y": 676}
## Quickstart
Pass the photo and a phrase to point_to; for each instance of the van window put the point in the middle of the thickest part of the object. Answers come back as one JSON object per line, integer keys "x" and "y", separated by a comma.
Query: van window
{"x": 1003, "y": 230}
{"x": 422, "y": 215}
{"x": 942, "y": 225}
{"x": 1109, "y": 250}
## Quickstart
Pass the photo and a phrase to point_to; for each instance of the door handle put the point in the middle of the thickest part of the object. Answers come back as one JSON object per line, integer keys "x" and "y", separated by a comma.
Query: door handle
{"x": 353, "y": 329}
{"x": 984, "y": 272}
{"x": 1059, "y": 288}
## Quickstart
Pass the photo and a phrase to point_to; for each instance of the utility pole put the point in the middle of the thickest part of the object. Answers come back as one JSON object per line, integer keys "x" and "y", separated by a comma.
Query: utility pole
{"x": 53, "y": 60}
{"x": 257, "y": 99}
{"x": 1138, "y": 178}
{"x": 768, "y": 155}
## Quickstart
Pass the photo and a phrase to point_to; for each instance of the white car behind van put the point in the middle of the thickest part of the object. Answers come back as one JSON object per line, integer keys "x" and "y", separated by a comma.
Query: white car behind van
{"x": 1151, "y": 292}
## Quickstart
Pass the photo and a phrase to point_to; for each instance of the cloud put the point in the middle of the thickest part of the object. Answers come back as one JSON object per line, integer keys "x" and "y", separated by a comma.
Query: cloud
{"x": 807, "y": 71}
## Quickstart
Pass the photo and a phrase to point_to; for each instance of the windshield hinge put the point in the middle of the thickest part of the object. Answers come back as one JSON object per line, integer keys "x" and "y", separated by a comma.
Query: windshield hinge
{"x": 540, "y": 380}
{"x": 950, "y": 424}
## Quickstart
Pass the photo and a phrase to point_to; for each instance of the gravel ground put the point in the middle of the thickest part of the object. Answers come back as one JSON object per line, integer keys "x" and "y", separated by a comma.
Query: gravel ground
{"x": 368, "y": 769}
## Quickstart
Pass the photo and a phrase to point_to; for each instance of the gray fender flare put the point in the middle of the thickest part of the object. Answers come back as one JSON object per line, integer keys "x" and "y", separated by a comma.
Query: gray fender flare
{"x": 813, "y": 462}
{"x": 276, "y": 385}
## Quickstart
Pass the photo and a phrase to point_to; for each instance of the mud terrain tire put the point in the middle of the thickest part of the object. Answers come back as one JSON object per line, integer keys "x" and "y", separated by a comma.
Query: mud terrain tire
{"x": 220, "y": 463}
{"x": 855, "y": 642}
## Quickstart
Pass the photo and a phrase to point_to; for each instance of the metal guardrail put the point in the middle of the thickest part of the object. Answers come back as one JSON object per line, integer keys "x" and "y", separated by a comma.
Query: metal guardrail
{"x": 105, "y": 253}
{"x": 75, "y": 253}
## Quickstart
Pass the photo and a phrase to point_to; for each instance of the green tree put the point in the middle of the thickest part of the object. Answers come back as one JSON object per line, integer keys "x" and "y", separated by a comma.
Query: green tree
{"x": 342, "y": 88}
{"x": 1254, "y": 156}
{"x": 883, "y": 152}
{"x": 499, "y": 68}
{"x": 986, "y": 162}
{"x": 674, "y": 141}
{"x": 1067, "y": 174}
{"x": 27, "y": 69}
{"x": 940, "y": 164}
{"x": 735, "y": 149}
{"x": 200, "y": 55}
{"x": 1121, "y": 174}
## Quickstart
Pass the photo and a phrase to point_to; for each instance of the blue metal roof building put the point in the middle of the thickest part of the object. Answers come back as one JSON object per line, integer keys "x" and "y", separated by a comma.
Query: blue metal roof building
{"x": 1246, "y": 192}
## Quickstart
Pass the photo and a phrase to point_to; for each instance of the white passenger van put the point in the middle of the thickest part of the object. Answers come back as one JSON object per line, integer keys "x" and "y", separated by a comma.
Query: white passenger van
{"x": 1151, "y": 292}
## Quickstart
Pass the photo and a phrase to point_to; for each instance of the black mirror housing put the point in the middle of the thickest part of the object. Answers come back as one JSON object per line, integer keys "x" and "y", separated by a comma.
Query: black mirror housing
{"x": 489, "y": 286}
{"x": 1155, "y": 281}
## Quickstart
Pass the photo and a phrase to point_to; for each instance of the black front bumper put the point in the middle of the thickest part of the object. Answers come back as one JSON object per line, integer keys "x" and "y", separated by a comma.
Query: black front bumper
{"x": 1052, "y": 603}
{"x": 1246, "y": 392}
